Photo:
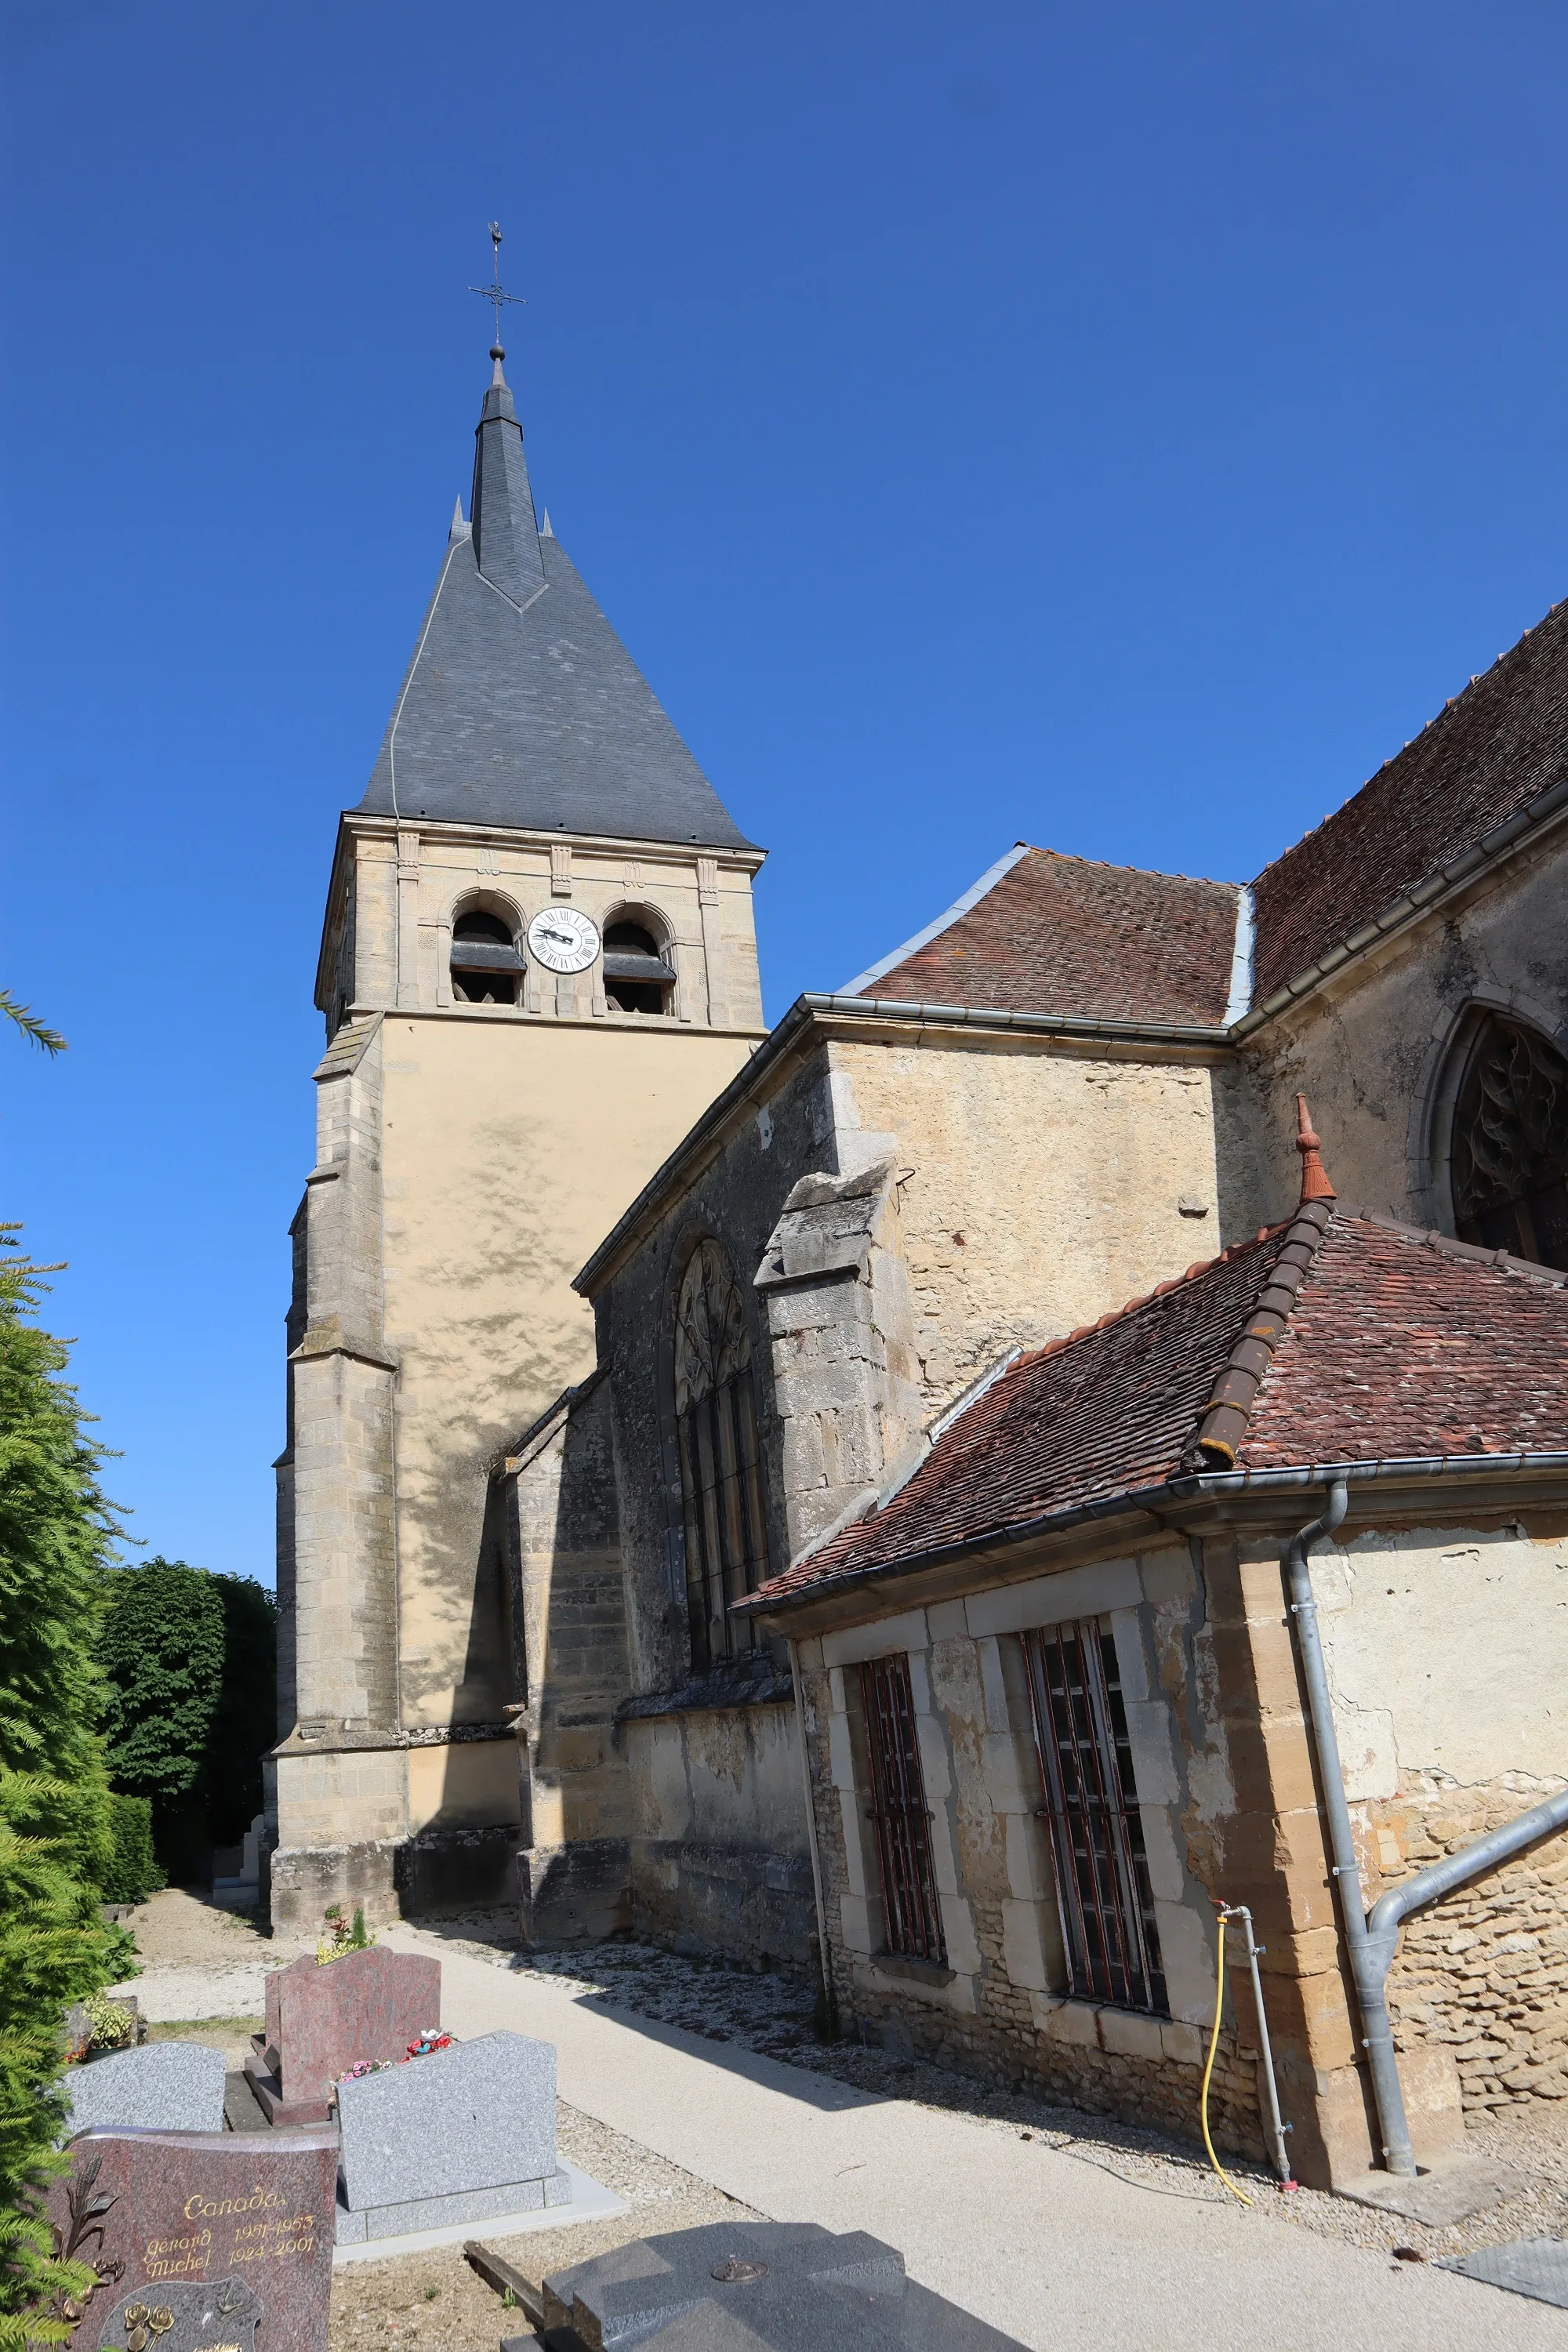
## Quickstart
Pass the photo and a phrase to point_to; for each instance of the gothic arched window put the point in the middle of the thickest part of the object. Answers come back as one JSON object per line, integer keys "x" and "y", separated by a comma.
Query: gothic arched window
{"x": 721, "y": 1464}
{"x": 1508, "y": 1155}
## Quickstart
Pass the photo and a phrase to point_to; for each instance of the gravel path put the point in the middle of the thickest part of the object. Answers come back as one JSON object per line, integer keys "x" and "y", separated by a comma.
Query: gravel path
{"x": 772, "y": 2015}
{"x": 207, "y": 1965}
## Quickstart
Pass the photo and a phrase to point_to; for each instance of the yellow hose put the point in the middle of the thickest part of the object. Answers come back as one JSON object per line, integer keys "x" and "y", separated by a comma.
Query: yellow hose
{"x": 1208, "y": 2070}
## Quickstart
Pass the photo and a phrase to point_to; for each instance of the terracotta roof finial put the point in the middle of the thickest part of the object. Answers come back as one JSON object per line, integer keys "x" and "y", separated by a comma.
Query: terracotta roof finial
{"x": 1315, "y": 1184}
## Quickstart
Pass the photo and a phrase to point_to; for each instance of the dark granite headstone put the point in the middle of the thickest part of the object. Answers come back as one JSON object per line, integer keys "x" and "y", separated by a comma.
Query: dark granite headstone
{"x": 789, "y": 2285}
{"x": 153, "y": 2212}
{"x": 323, "y": 2017}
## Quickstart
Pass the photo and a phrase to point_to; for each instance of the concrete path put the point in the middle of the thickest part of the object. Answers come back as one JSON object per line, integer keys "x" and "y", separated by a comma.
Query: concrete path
{"x": 1050, "y": 2248}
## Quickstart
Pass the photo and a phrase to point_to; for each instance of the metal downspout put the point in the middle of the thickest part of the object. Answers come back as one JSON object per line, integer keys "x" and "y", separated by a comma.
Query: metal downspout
{"x": 1378, "y": 2038}
{"x": 1371, "y": 1938}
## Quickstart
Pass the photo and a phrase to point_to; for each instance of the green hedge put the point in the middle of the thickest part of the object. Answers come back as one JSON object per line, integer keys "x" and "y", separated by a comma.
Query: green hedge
{"x": 132, "y": 1872}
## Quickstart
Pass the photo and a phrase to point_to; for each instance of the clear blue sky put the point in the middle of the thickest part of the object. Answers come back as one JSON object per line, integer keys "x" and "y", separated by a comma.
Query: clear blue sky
{"x": 1117, "y": 427}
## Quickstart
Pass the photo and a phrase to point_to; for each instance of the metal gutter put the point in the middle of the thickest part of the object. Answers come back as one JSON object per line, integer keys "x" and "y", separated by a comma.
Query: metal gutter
{"x": 1169, "y": 1494}
{"x": 1417, "y": 901}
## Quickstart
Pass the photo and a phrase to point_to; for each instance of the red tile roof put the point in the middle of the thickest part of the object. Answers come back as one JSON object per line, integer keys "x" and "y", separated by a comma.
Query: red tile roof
{"x": 1492, "y": 748}
{"x": 1065, "y": 935}
{"x": 1397, "y": 1346}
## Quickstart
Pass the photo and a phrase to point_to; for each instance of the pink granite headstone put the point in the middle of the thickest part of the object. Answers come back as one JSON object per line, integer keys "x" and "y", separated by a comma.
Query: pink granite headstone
{"x": 248, "y": 2219}
{"x": 324, "y": 2017}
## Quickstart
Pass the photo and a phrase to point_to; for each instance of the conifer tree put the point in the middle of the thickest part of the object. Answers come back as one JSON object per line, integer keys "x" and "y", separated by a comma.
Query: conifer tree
{"x": 55, "y": 1835}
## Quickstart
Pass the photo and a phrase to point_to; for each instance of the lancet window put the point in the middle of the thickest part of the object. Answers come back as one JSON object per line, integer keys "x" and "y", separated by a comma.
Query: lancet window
{"x": 1510, "y": 1147}
{"x": 721, "y": 1462}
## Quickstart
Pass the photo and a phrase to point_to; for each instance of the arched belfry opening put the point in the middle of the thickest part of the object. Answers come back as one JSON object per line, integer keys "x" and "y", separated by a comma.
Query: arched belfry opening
{"x": 1508, "y": 1144}
{"x": 487, "y": 962}
{"x": 639, "y": 974}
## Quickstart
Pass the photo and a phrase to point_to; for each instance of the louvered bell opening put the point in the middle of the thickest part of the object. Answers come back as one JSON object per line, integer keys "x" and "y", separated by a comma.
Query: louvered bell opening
{"x": 627, "y": 963}
{"x": 484, "y": 955}
{"x": 486, "y": 964}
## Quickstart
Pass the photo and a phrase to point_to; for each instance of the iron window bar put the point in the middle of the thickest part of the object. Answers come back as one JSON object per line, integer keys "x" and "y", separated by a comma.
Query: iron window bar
{"x": 1104, "y": 1898}
{"x": 900, "y": 1812}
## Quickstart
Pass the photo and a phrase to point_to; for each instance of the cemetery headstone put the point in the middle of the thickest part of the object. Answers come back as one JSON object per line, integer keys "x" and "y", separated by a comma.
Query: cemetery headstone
{"x": 465, "y": 2135}
{"x": 789, "y": 2285}
{"x": 324, "y": 2017}
{"x": 199, "y": 2239}
{"x": 162, "y": 2087}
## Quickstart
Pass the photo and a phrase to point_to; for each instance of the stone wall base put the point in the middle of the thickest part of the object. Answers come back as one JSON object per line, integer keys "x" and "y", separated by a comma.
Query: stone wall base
{"x": 394, "y": 1878}
{"x": 575, "y": 1894}
{"x": 306, "y": 1880}
{"x": 1067, "y": 2059}
{"x": 744, "y": 1902}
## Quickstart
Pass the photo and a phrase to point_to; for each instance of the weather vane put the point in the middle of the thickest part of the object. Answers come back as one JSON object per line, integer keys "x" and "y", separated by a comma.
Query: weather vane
{"x": 495, "y": 293}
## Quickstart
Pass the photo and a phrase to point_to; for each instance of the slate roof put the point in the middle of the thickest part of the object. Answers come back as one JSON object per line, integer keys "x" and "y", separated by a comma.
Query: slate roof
{"x": 1491, "y": 749}
{"x": 1047, "y": 933}
{"x": 520, "y": 706}
{"x": 1397, "y": 1346}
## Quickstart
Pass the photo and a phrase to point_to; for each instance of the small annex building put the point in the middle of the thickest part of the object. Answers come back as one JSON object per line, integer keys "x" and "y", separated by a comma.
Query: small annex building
{"x": 1054, "y": 1711}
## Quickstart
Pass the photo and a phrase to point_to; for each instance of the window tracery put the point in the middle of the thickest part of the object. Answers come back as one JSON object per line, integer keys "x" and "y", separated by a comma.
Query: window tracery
{"x": 1508, "y": 1157}
{"x": 720, "y": 1459}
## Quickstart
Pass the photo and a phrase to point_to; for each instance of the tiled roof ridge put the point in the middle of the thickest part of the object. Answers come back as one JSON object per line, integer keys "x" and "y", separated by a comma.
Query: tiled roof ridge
{"x": 1476, "y": 1253}
{"x": 1121, "y": 865}
{"x": 1229, "y": 1407}
{"x": 1478, "y": 677}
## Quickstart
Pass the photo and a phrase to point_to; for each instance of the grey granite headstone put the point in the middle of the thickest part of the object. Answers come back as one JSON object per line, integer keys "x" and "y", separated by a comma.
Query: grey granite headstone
{"x": 163, "y": 2086}
{"x": 183, "y": 2315}
{"x": 464, "y": 2135}
{"x": 790, "y": 2285}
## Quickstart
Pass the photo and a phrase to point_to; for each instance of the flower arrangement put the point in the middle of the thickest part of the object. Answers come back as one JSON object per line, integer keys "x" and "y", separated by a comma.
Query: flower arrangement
{"x": 341, "y": 1937}
{"x": 433, "y": 2039}
{"x": 363, "y": 2067}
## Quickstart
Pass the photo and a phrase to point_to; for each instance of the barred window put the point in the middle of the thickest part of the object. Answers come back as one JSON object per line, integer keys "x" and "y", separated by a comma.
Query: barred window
{"x": 1509, "y": 1148}
{"x": 898, "y": 1808}
{"x": 1103, "y": 1894}
{"x": 721, "y": 1462}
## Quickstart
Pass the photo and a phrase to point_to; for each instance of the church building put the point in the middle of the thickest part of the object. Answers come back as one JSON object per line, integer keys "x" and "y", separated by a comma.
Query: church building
{"x": 945, "y": 1494}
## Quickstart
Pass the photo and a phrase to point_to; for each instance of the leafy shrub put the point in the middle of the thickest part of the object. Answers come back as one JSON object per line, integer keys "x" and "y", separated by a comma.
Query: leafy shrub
{"x": 191, "y": 1664}
{"x": 134, "y": 1872}
{"x": 113, "y": 2025}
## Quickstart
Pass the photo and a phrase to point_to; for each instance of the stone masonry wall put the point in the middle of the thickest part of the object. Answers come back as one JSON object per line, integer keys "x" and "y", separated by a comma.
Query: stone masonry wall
{"x": 1485, "y": 1973}
{"x": 1145, "y": 2071}
{"x": 1448, "y": 1653}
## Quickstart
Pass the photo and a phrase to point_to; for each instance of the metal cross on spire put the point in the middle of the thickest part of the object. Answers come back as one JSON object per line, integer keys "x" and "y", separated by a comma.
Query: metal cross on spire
{"x": 495, "y": 292}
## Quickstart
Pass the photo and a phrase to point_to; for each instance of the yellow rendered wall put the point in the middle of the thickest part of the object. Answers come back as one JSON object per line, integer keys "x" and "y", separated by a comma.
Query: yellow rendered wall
{"x": 510, "y": 1148}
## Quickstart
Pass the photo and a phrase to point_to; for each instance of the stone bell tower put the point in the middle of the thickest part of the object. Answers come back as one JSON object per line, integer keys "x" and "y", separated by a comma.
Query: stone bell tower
{"x": 538, "y": 965}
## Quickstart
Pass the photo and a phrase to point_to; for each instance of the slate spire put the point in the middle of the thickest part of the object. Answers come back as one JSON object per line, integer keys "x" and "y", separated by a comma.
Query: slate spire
{"x": 520, "y": 706}
{"x": 505, "y": 528}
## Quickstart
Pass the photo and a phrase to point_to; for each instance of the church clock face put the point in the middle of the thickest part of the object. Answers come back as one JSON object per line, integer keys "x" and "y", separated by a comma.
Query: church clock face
{"x": 563, "y": 938}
